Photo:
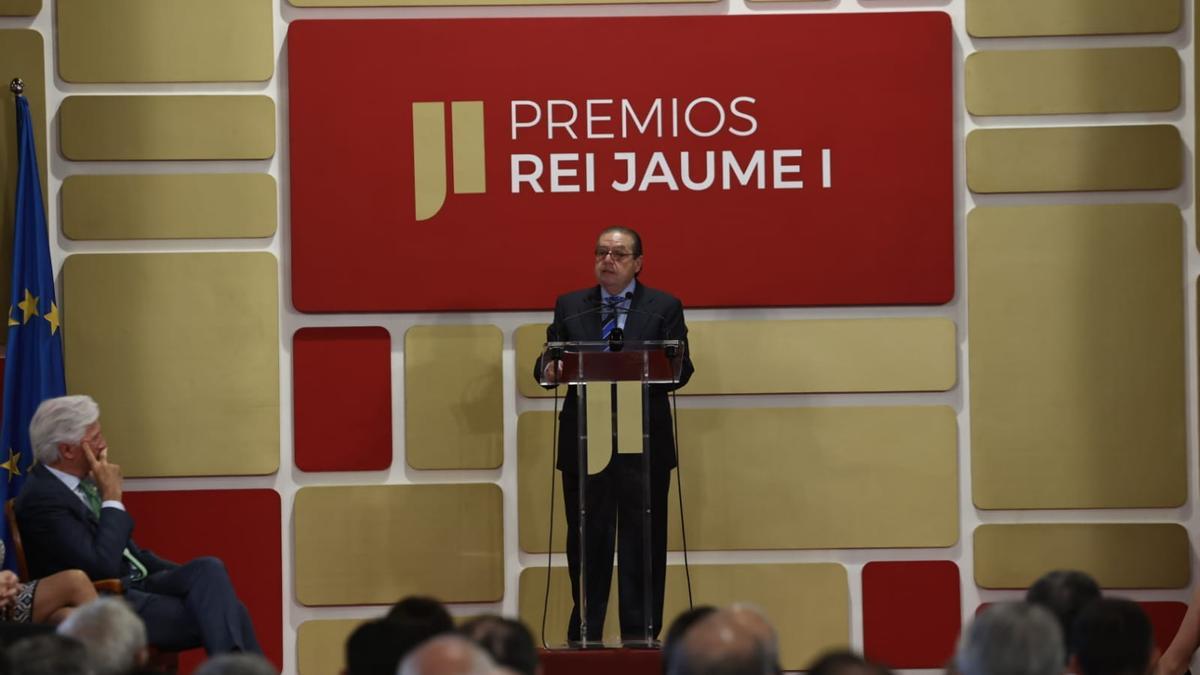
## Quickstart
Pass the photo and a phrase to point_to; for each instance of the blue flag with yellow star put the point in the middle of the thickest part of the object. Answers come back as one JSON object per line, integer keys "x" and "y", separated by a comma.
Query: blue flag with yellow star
{"x": 33, "y": 362}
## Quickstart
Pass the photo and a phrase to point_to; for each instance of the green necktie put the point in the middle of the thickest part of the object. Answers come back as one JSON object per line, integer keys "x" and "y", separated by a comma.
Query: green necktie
{"x": 92, "y": 494}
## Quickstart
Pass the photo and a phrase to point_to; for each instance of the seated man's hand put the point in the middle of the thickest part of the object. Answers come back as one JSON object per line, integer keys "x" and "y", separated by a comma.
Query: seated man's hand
{"x": 107, "y": 475}
{"x": 9, "y": 584}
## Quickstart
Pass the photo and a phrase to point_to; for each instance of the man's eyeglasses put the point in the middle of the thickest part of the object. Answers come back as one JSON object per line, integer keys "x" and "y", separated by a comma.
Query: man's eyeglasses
{"x": 618, "y": 255}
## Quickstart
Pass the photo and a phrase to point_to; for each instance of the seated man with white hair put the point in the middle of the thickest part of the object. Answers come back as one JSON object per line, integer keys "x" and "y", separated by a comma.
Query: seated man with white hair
{"x": 114, "y": 637}
{"x": 71, "y": 516}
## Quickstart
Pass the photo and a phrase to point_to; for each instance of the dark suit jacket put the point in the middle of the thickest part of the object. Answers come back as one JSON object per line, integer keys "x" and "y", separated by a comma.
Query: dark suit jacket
{"x": 60, "y": 532}
{"x": 653, "y": 315}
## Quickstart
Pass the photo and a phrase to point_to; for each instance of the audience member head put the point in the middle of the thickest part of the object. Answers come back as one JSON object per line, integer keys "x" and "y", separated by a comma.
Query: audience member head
{"x": 1064, "y": 593}
{"x": 237, "y": 664}
{"x": 63, "y": 420}
{"x": 447, "y": 655}
{"x": 676, "y": 630}
{"x": 114, "y": 636}
{"x": 755, "y": 622}
{"x": 1012, "y": 638}
{"x": 373, "y": 649}
{"x": 845, "y": 663}
{"x": 416, "y": 619}
{"x": 719, "y": 645}
{"x": 1112, "y": 637}
{"x": 507, "y": 641}
{"x": 48, "y": 654}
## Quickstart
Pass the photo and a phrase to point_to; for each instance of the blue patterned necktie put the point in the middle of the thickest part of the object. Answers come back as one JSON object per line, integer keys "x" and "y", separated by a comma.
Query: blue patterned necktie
{"x": 611, "y": 307}
{"x": 92, "y": 494}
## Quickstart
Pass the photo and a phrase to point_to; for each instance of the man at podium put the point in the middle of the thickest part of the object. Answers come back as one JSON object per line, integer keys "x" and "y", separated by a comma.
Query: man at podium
{"x": 614, "y": 496}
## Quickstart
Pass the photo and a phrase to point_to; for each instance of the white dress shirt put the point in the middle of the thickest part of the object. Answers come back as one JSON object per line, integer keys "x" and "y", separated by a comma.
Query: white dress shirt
{"x": 72, "y": 483}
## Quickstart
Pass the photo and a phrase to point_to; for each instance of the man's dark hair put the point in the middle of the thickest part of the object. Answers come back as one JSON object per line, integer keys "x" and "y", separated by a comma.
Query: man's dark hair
{"x": 628, "y": 232}
{"x": 674, "y": 634}
{"x": 373, "y": 649}
{"x": 845, "y": 663}
{"x": 1065, "y": 593}
{"x": 49, "y": 654}
{"x": 415, "y": 619}
{"x": 508, "y": 642}
{"x": 1112, "y": 637}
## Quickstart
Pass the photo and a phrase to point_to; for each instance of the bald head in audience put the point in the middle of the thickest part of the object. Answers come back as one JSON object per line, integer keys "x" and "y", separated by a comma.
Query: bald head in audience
{"x": 447, "y": 655}
{"x": 721, "y": 644}
{"x": 754, "y": 621}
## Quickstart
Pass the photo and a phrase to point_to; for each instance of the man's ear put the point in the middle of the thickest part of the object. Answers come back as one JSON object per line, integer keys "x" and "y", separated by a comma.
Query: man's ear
{"x": 143, "y": 657}
{"x": 1073, "y": 664}
{"x": 67, "y": 451}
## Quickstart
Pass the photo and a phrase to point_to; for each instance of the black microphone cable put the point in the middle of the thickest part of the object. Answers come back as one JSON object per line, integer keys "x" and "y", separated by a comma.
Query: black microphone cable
{"x": 687, "y": 572}
{"x": 550, "y": 536}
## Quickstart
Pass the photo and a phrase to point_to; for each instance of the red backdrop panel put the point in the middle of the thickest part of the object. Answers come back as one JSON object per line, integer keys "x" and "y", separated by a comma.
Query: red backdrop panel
{"x": 242, "y": 528}
{"x": 911, "y": 612}
{"x": 1165, "y": 617}
{"x": 872, "y": 225}
{"x": 342, "y": 398}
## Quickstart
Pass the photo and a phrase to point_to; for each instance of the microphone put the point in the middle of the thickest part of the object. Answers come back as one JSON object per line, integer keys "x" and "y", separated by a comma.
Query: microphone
{"x": 616, "y": 340}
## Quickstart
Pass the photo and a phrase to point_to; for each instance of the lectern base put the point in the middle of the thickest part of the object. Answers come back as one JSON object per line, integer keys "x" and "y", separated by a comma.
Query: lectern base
{"x": 576, "y": 645}
{"x": 602, "y": 661}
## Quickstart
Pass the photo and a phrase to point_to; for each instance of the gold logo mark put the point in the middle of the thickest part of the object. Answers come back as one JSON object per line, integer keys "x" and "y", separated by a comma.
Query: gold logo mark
{"x": 429, "y": 153}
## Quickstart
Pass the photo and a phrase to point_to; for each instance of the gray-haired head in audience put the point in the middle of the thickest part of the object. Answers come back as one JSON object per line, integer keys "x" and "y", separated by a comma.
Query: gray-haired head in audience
{"x": 114, "y": 636}
{"x": 48, "y": 654}
{"x": 721, "y": 644}
{"x": 1014, "y": 638}
{"x": 237, "y": 664}
{"x": 447, "y": 655}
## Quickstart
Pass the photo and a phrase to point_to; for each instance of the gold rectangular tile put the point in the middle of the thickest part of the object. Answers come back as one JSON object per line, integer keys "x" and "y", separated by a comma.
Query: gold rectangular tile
{"x": 466, "y": 3}
{"x": 165, "y": 40}
{"x": 1072, "y": 159}
{"x": 20, "y": 56}
{"x": 470, "y": 174}
{"x": 1077, "y": 356}
{"x": 1046, "y": 82}
{"x": 809, "y": 604}
{"x": 806, "y": 356}
{"x": 1014, "y": 18}
{"x": 169, "y": 206}
{"x": 167, "y": 127}
{"x": 528, "y": 341}
{"x": 453, "y": 397}
{"x": 389, "y": 541}
{"x": 856, "y": 477}
{"x": 1127, "y": 555}
{"x": 18, "y": 8}
{"x": 321, "y": 645}
{"x": 181, "y": 351}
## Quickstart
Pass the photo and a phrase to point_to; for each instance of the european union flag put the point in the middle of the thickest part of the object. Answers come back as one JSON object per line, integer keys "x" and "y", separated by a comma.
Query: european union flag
{"x": 33, "y": 363}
